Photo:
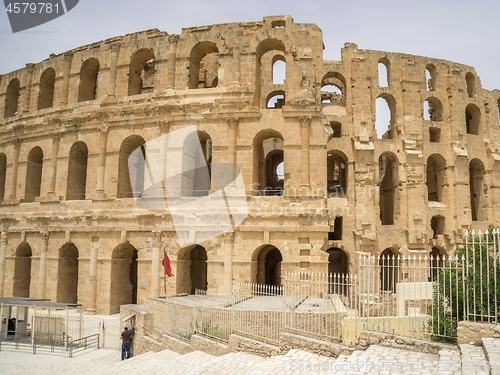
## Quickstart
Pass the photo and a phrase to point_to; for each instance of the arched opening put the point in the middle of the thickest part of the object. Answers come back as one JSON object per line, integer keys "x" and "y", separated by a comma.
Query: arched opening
{"x": 46, "y": 94}
{"x": 198, "y": 268}
{"x": 385, "y": 116}
{"x": 436, "y": 177}
{"x": 269, "y": 266}
{"x": 383, "y": 72}
{"x": 338, "y": 269}
{"x": 389, "y": 271}
{"x": 275, "y": 100}
{"x": 433, "y": 110}
{"x": 437, "y": 226}
{"x": 22, "y": 271}
{"x": 470, "y": 80}
{"x": 279, "y": 70}
{"x": 131, "y": 172}
{"x": 336, "y": 166}
{"x": 204, "y": 65}
{"x": 430, "y": 77}
{"x": 77, "y": 171}
{"x": 123, "y": 286}
{"x": 12, "y": 98}
{"x": 388, "y": 177}
{"x": 268, "y": 151}
{"x": 142, "y": 72}
{"x": 196, "y": 180}
{"x": 436, "y": 263}
{"x": 476, "y": 182}
{"x": 34, "y": 174}
{"x": 88, "y": 80}
{"x": 3, "y": 174}
{"x": 472, "y": 119}
{"x": 67, "y": 274}
{"x": 271, "y": 48}
{"x": 333, "y": 88}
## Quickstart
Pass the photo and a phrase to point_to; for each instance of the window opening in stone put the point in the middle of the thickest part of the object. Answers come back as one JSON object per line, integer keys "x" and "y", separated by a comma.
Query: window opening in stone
{"x": 141, "y": 72}
{"x": 67, "y": 274}
{"x": 472, "y": 119}
{"x": 331, "y": 94}
{"x": 204, "y": 66}
{"x": 430, "y": 77}
{"x": 383, "y": 119}
{"x": 477, "y": 200}
{"x": 88, "y": 80}
{"x": 436, "y": 178}
{"x": 12, "y": 98}
{"x": 337, "y": 129}
{"x": 336, "y": 165}
{"x": 276, "y": 24}
{"x": 383, "y": 73}
{"x": 77, "y": 171}
{"x": 336, "y": 235}
{"x": 434, "y": 134}
{"x": 22, "y": 271}
{"x": 389, "y": 271}
{"x": 471, "y": 84}
{"x": 46, "y": 93}
{"x": 437, "y": 226}
{"x": 276, "y": 100}
{"x": 131, "y": 172}
{"x": 269, "y": 164}
{"x": 269, "y": 266}
{"x": 279, "y": 71}
{"x": 388, "y": 177}
{"x": 3, "y": 175}
{"x": 34, "y": 174}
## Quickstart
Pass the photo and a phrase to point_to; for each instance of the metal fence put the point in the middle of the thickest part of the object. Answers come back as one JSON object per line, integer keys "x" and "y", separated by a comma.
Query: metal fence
{"x": 416, "y": 296}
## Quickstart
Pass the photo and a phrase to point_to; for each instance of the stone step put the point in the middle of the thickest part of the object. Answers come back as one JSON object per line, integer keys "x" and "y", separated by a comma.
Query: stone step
{"x": 491, "y": 349}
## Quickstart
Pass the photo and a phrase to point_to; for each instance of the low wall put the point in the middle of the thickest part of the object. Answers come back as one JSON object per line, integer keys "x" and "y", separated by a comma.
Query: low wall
{"x": 244, "y": 344}
{"x": 290, "y": 341}
{"x": 206, "y": 345}
{"x": 473, "y": 332}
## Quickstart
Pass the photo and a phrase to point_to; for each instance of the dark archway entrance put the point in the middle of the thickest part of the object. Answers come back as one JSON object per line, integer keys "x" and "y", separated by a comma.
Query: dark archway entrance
{"x": 22, "y": 271}
{"x": 123, "y": 288}
{"x": 67, "y": 274}
{"x": 269, "y": 266}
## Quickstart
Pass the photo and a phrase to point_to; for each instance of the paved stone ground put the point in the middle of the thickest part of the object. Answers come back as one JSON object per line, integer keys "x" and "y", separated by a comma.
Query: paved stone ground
{"x": 375, "y": 360}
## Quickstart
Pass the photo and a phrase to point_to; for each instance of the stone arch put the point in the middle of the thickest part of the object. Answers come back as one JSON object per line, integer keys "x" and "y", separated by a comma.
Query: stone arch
{"x": 476, "y": 182}
{"x": 130, "y": 181}
{"x": 77, "y": 171}
{"x": 3, "y": 175}
{"x": 268, "y": 153}
{"x": 431, "y": 77}
{"x": 267, "y": 270}
{"x": 123, "y": 283}
{"x": 141, "y": 72}
{"x": 266, "y": 45}
{"x": 390, "y": 102}
{"x": 336, "y": 166}
{"x": 22, "y": 270}
{"x": 433, "y": 109}
{"x": 276, "y": 61}
{"x": 46, "y": 93}
{"x": 203, "y": 65}
{"x": 67, "y": 274}
{"x": 435, "y": 177}
{"x": 338, "y": 270}
{"x": 196, "y": 180}
{"x": 192, "y": 270}
{"x": 275, "y": 99}
{"x": 388, "y": 185}
{"x": 472, "y": 119}
{"x": 336, "y": 95}
{"x": 88, "y": 80}
{"x": 12, "y": 98}
{"x": 33, "y": 174}
{"x": 470, "y": 82}
{"x": 389, "y": 270}
{"x": 437, "y": 226}
{"x": 384, "y": 72}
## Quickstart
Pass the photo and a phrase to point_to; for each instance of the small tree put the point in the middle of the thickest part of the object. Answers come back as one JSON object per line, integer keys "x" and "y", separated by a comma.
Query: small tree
{"x": 467, "y": 288}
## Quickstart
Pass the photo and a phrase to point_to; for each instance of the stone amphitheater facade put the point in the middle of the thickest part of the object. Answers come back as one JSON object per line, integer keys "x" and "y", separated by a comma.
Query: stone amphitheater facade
{"x": 71, "y": 229}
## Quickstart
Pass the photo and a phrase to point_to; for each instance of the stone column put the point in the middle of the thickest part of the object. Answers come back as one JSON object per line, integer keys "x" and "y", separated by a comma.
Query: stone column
{"x": 236, "y": 66}
{"x": 68, "y": 58}
{"x": 164, "y": 127}
{"x": 27, "y": 89}
{"x": 232, "y": 123}
{"x": 155, "y": 264}
{"x": 42, "y": 275}
{"x": 53, "y": 164}
{"x": 115, "y": 49}
{"x": 101, "y": 175}
{"x": 305, "y": 123}
{"x": 172, "y": 56}
{"x": 92, "y": 301}
{"x": 15, "y": 163}
{"x": 3, "y": 255}
{"x": 228, "y": 261}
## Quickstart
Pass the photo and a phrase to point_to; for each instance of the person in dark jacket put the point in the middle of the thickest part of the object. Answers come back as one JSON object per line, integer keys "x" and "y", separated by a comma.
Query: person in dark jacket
{"x": 126, "y": 338}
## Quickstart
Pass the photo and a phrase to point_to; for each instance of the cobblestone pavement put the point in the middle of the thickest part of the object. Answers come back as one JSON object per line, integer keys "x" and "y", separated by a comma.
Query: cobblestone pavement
{"x": 375, "y": 360}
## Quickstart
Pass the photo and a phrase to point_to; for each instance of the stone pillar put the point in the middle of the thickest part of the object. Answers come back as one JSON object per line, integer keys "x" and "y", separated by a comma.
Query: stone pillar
{"x": 3, "y": 255}
{"x": 232, "y": 123}
{"x": 164, "y": 127}
{"x": 92, "y": 301}
{"x": 155, "y": 264}
{"x": 115, "y": 49}
{"x": 42, "y": 275}
{"x": 172, "y": 56}
{"x": 228, "y": 262}
{"x": 236, "y": 66}
{"x": 15, "y": 163}
{"x": 27, "y": 89}
{"x": 53, "y": 164}
{"x": 305, "y": 123}
{"x": 68, "y": 58}
{"x": 103, "y": 141}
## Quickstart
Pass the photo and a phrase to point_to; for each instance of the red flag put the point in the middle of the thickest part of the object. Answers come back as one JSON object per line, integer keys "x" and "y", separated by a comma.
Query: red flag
{"x": 166, "y": 265}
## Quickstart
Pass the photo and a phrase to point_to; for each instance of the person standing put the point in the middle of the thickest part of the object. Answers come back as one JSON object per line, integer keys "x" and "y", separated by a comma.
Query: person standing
{"x": 126, "y": 337}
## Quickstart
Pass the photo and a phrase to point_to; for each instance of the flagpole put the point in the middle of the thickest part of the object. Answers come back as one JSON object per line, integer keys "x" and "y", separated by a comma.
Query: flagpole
{"x": 164, "y": 272}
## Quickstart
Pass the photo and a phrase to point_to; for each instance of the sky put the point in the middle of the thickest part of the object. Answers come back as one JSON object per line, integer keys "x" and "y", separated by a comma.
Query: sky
{"x": 466, "y": 32}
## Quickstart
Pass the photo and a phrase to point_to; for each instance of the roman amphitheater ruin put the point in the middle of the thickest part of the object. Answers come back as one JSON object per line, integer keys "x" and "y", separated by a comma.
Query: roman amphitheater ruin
{"x": 321, "y": 186}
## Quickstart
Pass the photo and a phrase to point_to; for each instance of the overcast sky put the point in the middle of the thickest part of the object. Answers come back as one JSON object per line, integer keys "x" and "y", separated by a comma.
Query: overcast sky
{"x": 462, "y": 31}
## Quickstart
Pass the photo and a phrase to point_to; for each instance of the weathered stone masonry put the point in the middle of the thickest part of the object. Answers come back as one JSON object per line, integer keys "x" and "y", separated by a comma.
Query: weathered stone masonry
{"x": 71, "y": 231}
